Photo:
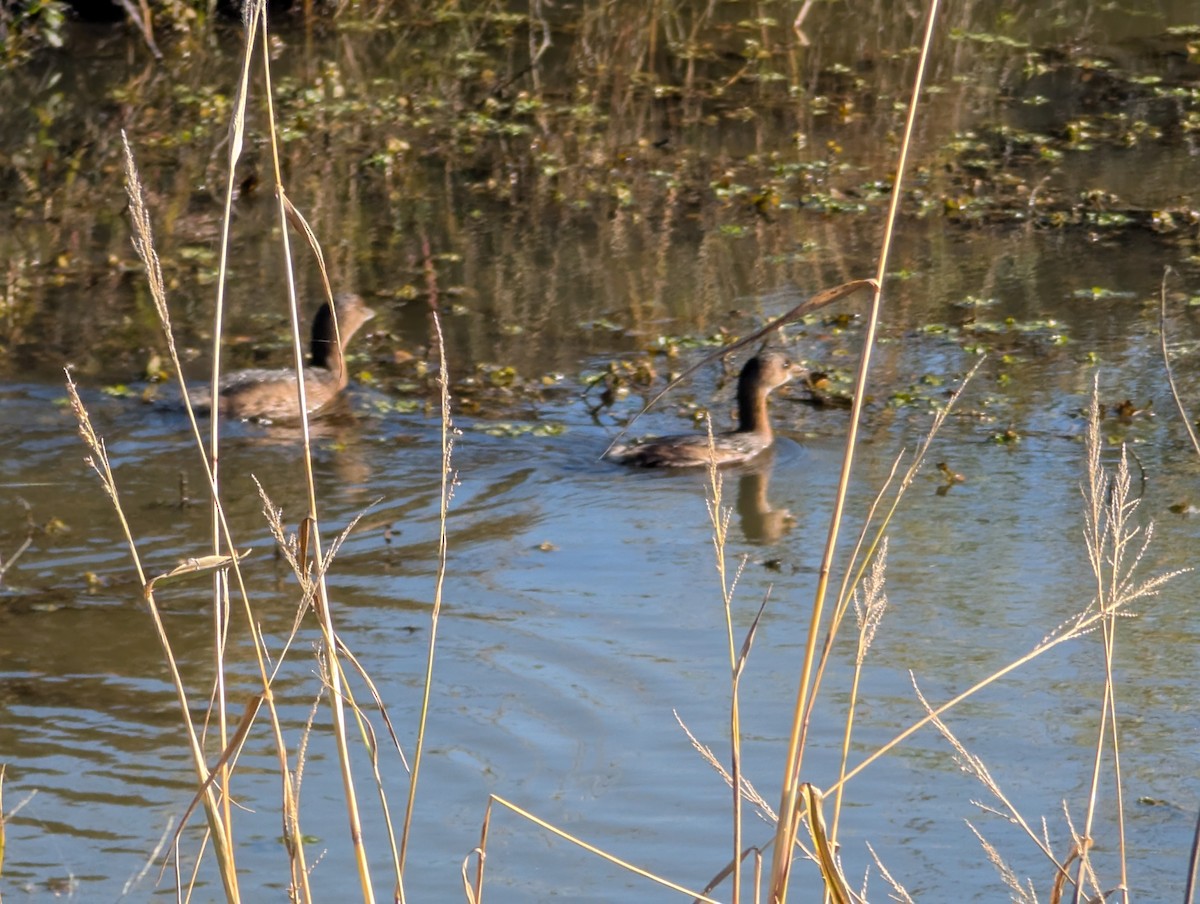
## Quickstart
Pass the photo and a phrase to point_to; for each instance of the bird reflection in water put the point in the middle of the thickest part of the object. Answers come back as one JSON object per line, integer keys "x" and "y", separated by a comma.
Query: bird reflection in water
{"x": 761, "y": 523}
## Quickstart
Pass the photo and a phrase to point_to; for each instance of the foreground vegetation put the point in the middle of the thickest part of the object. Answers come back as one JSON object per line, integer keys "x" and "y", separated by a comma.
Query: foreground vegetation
{"x": 546, "y": 154}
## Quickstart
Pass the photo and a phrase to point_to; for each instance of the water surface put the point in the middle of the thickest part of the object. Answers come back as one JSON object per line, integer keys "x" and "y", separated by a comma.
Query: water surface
{"x": 582, "y": 604}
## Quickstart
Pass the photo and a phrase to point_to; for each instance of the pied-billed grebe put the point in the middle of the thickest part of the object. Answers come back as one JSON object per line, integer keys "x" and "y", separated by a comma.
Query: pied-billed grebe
{"x": 761, "y": 374}
{"x": 270, "y": 395}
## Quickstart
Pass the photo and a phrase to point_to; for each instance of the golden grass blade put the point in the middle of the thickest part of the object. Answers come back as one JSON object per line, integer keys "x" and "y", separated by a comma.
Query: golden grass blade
{"x": 468, "y": 889}
{"x": 99, "y": 462}
{"x": 788, "y": 815}
{"x": 194, "y": 566}
{"x": 255, "y": 15}
{"x": 301, "y": 225}
{"x": 378, "y": 698}
{"x": 836, "y": 886}
{"x": 324, "y": 612}
{"x": 1189, "y": 894}
{"x": 720, "y": 516}
{"x": 1162, "y": 338}
{"x": 227, "y": 756}
{"x": 484, "y": 829}
{"x": 814, "y": 303}
{"x": 748, "y": 642}
{"x": 604, "y": 855}
{"x": 447, "y": 490}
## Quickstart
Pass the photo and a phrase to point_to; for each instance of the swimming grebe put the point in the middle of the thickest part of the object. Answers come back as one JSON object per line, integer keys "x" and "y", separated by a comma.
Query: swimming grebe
{"x": 759, "y": 376}
{"x": 270, "y": 395}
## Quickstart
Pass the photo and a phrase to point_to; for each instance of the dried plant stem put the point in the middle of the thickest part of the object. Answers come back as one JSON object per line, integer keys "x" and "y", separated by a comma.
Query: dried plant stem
{"x": 447, "y": 490}
{"x": 719, "y": 516}
{"x": 220, "y": 577}
{"x": 1162, "y": 338}
{"x": 592, "y": 849}
{"x": 1189, "y": 894}
{"x": 144, "y": 245}
{"x": 789, "y": 807}
{"x": 854, "y": 576}
{"x": 323, "y": 609}
{"x": 871, "y": 613}
{"x": 1109, "y": 534}
{"x": 212, "y": 808}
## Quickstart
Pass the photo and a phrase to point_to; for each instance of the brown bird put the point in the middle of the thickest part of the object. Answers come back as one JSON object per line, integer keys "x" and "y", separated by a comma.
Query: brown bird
{"x": 270, "y": 395}
{"x": 761, "y": 374}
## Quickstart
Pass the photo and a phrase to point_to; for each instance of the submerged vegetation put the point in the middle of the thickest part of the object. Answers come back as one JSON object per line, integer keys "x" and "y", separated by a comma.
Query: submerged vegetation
{"x": 682, "y": 142}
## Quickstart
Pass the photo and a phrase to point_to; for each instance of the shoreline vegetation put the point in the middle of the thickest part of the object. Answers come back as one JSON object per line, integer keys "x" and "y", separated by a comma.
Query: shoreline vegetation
{"x": 519, "y": 145}
{"x": 694, "y": 136}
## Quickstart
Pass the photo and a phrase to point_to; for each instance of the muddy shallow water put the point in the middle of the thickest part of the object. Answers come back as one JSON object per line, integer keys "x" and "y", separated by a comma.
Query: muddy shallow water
{"x": 582, "y": 603}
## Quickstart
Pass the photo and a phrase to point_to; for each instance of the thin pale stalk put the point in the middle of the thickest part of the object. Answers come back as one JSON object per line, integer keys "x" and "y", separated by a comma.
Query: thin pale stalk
{"x": 1081, "y": 628}
{"x": 324, "y": 612}
{"x": 220, "y": 578}
{"x": 443, "y": 511}
{"x": 1109, "y": 499}
{"x": 592, "y": 849}
{"x": 1189, "y": 892}
{"x": 851, "y": 709}
{"x": 1106, "y": 711}
{"x": 788, "y": 808}
{"x": 854, "y": 577}
{"x": 1162, "y": 338}
{"x": 144, "y": 245}
{"x": 99, "y": 462}
{"x": 720, "y": 522}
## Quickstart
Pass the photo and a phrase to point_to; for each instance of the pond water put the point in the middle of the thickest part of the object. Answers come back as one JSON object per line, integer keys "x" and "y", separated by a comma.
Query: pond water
{"x": 582, "y": 603}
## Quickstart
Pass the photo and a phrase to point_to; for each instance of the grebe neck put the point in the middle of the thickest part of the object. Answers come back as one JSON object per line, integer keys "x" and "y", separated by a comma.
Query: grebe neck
{"x": 752, "y": 401}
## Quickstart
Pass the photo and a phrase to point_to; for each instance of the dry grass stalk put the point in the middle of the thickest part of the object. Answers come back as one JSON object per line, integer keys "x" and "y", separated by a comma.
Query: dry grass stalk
{"x": 476, "y": 894}
{"x": 869, "y": 615}
{"x": 719, "y": 516}
{"x": 334, "y": 673}
{"x": 448, "y": 482}
{"x": 789, "y": 797}
{"x": 974, "y": 766}
{"x": 1020, "y": 894}
{"x": 3, "y": 818}
{"x": 1127, "y": 590}
{"x": 749, "y": 792}
{"x": 255, "y": 13}
{"x": 144, "y": 245}
{"x": 837, "y": 889}
{"x": 1166, "y": 356}
{"x": 899, "y": 890}
{"x": 98, "y": 460}
{"x": 1080, "y": 845}
{"x": 1114, "y": 552}
{"x": 312, "y": 584}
